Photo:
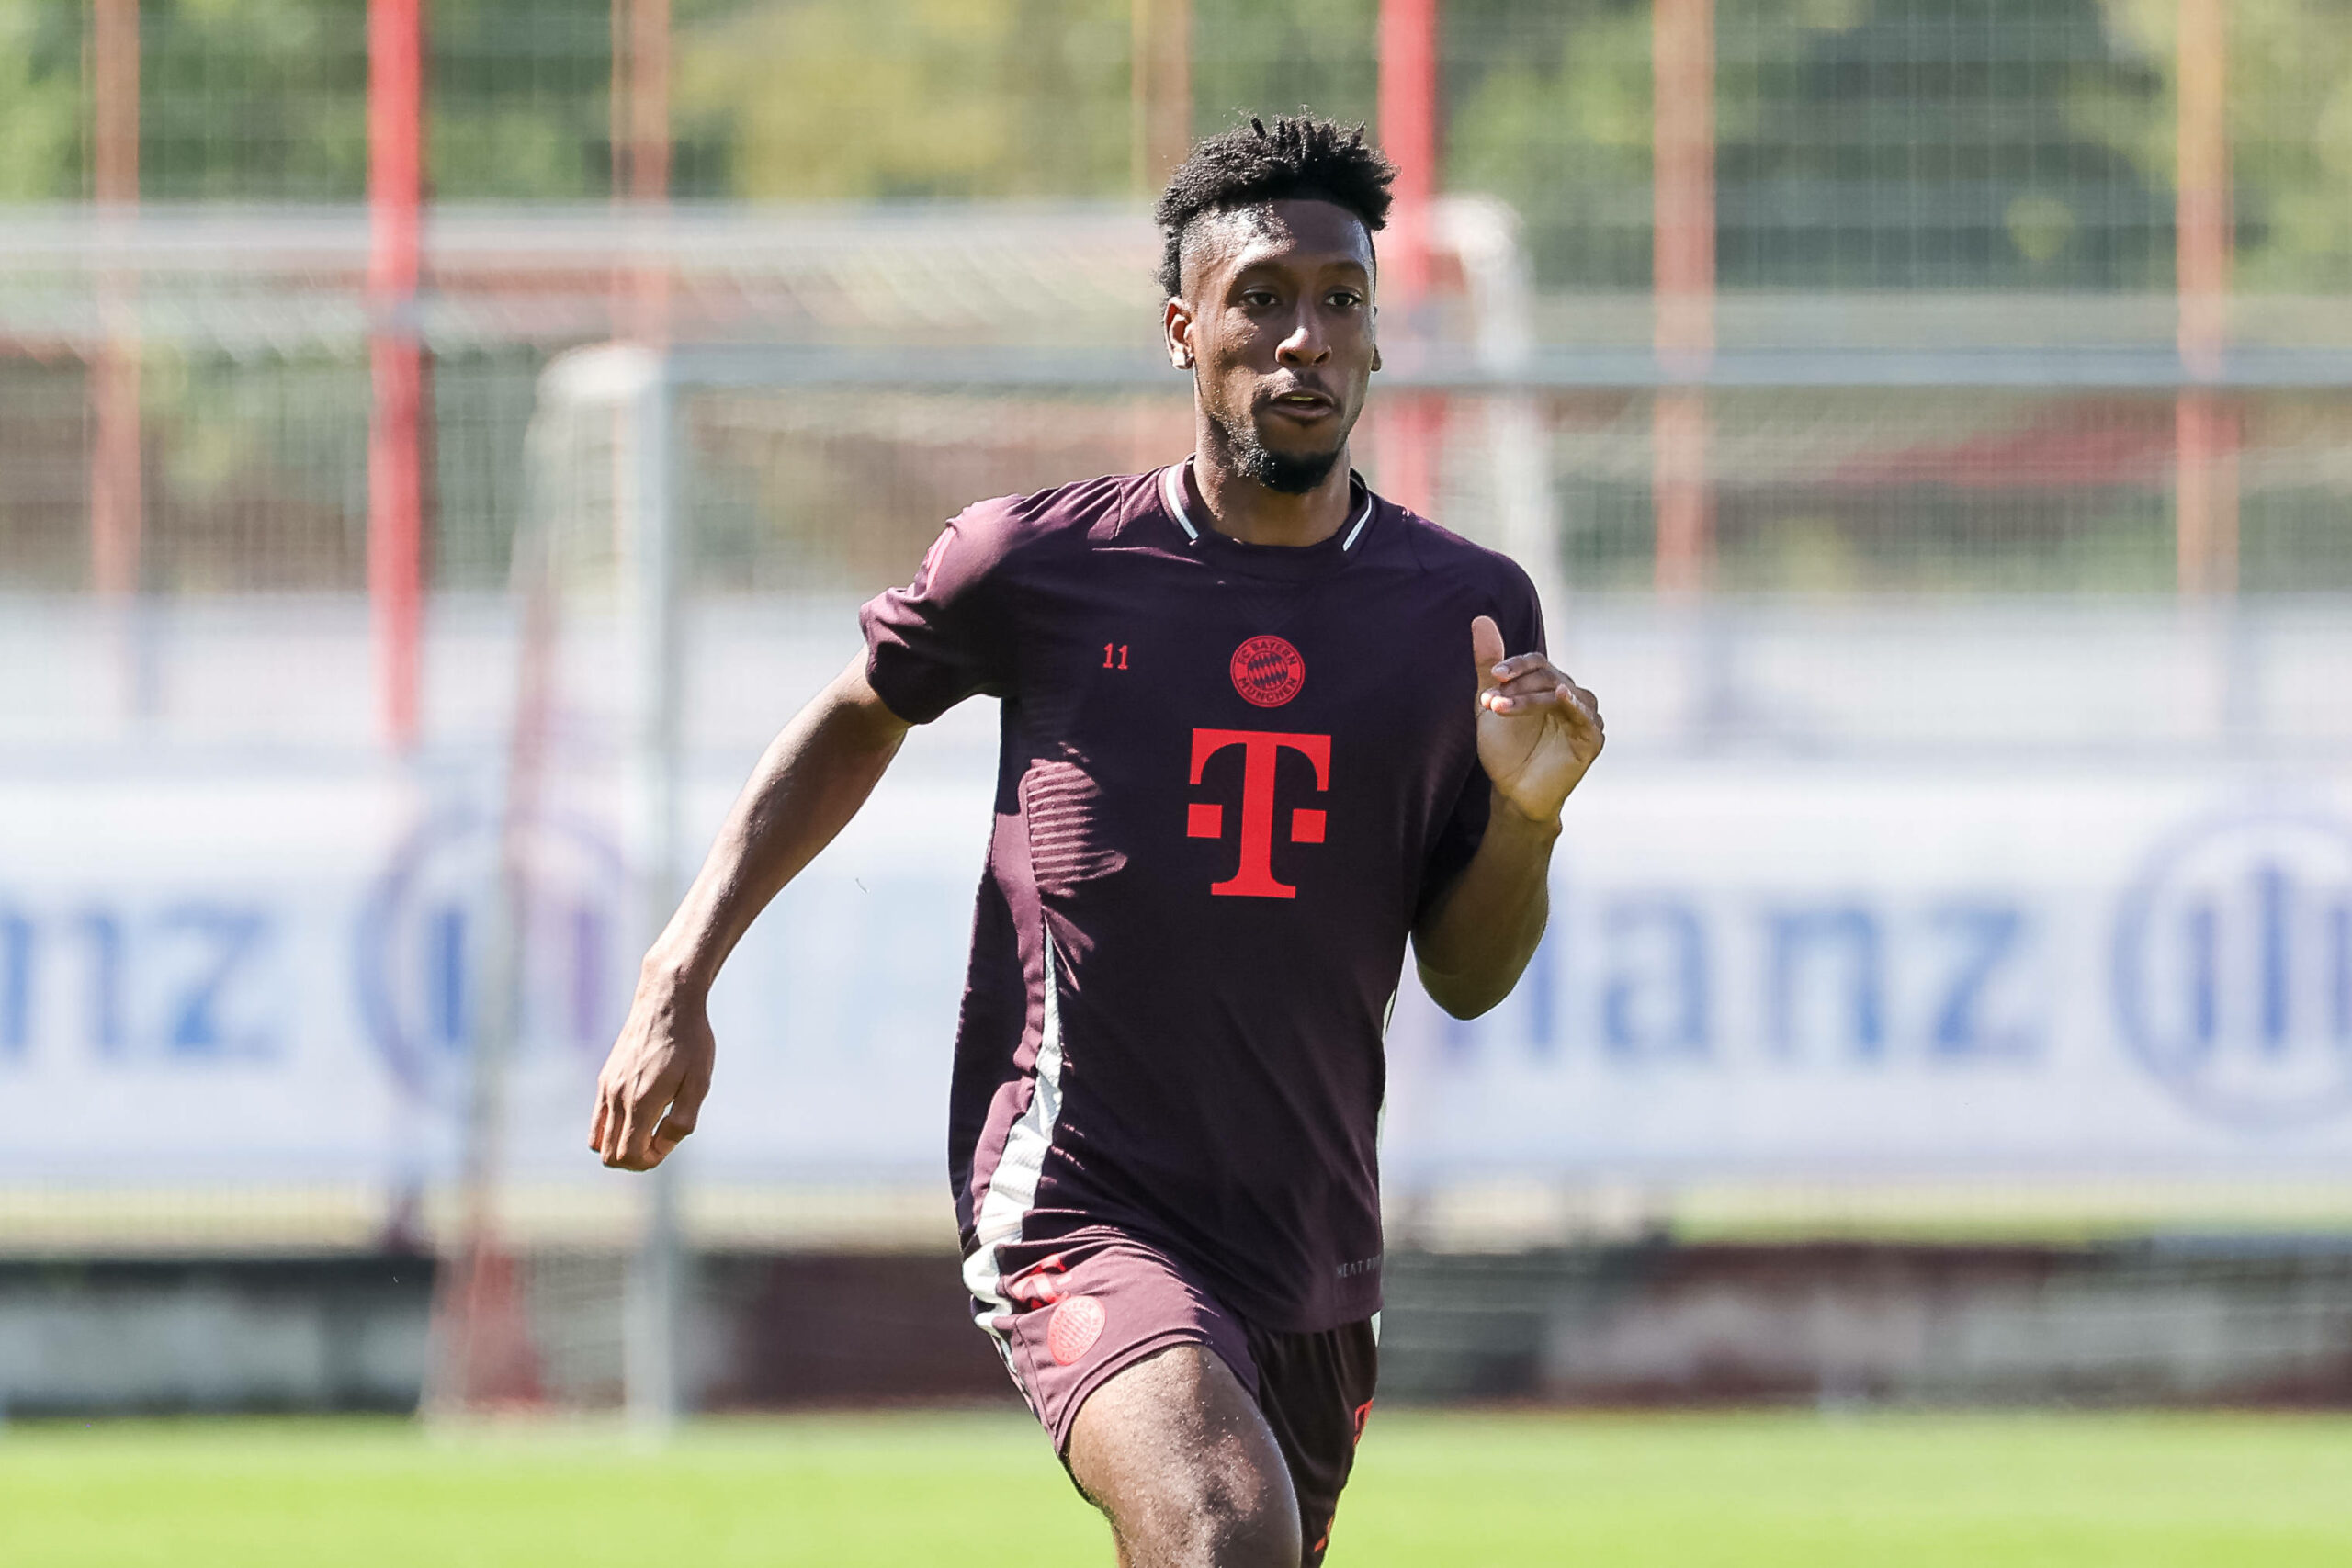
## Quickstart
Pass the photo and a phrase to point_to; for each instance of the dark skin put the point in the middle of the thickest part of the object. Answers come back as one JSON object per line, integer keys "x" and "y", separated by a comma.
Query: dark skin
{"x": 1276, "y": 326}
{"x": 1275, "y": 321}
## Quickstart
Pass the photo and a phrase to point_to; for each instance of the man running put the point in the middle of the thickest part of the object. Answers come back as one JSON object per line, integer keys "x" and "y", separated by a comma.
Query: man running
{"x": 1260, "y": 726}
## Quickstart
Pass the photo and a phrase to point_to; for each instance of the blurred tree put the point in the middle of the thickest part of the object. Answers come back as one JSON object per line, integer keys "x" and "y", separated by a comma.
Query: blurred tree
{"x": 42, "y": 135}
{"x": 266, "y": 100}
{"x": 844, "y": 99}
{"x": 520, "y": 96}
{"x": 253, "y": 100}
{"x": 1933, "y": 144}
{"x": 1549, "y": 108}
{"x": 1869, "y": 144}
{"x": 1250, "y": 58}
{"x": 2290, "y": 69}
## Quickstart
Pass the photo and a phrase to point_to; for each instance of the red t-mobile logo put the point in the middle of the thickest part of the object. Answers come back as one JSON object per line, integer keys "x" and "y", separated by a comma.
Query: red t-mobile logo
{"x": 1259, "y": 750}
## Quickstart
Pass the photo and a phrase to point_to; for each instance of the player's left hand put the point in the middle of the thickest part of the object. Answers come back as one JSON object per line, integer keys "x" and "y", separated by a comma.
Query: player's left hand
{"x": 1538, "y": 730}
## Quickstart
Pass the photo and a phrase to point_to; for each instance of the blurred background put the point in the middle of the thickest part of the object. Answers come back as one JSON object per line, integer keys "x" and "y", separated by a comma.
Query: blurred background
{"x": 438, "y": 449}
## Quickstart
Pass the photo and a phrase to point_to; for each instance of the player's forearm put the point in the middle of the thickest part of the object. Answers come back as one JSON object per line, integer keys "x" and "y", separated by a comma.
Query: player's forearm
{"x": 1472, "y": 948}
{"x": 810, "y": 782}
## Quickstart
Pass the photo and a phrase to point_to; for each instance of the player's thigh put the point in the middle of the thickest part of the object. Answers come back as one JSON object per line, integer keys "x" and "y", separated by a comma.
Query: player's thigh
{"x": 1176, "y": 1452}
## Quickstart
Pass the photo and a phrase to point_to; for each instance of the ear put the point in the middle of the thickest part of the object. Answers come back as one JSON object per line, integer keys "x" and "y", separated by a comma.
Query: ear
{"x": 1176, "y": 329}
{"x": 1376, "y": 337}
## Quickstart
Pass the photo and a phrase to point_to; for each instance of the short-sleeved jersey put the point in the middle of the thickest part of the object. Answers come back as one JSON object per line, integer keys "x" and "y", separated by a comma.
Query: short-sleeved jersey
{"x": 1232, "y": 777}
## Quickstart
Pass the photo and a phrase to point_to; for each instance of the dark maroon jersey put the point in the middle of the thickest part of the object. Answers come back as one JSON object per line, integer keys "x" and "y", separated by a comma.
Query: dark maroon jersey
{"x": 1232, "y": 777}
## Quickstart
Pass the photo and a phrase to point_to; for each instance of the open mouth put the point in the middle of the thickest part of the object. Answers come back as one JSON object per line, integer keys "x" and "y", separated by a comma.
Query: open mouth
{"x": 1305, "y": 404}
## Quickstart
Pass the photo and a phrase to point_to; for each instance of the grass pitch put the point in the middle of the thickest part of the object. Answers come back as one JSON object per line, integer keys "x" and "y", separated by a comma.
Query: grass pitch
{"x": 1432, "y": 1491}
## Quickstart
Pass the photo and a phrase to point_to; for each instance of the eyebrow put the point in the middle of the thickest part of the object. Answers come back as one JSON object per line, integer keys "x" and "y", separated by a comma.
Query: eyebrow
{"x": 1346, "y": 260}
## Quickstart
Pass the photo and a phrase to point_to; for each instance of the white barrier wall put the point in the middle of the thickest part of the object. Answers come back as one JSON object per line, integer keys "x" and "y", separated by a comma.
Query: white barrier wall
{"x": 1804, "y": 969}
{"x": 260, "y": 962}
{"x": 1768, "y": 968}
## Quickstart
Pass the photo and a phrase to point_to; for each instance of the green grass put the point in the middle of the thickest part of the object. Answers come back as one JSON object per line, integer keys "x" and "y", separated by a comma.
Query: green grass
{"x": 1432, "y": 1491}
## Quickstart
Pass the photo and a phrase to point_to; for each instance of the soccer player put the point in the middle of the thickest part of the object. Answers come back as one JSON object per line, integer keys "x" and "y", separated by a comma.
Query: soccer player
{"x": 1261, "y": 728}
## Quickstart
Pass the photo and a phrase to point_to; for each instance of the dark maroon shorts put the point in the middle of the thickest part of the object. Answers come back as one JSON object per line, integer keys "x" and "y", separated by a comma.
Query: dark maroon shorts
{"x": 1103, "y": 1301}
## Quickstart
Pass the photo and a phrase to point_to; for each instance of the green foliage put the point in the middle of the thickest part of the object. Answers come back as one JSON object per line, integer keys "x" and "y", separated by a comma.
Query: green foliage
{"x": 519, "y": 99}
{"x": 844, "y": 99}
{"x": 41, "y": 112}
{"x": 2289, "y": 72}
{"x": 1550, "y": 110}
{"x": 1252, "y": 58}
{"x": 266, "y": 100}
{"x": 1933, "y": 144}
{"x": 253, "y": 100}
{"x": 1864, "y": 143}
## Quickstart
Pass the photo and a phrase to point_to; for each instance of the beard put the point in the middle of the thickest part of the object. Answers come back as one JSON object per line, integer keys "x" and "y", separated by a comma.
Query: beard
{"x": 1285, "y": 473}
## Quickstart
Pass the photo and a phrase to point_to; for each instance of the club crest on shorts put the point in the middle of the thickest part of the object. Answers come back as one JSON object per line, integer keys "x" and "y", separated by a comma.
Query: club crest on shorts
{"x": 1077, "y": 1324}
{"x": 1268, "y": 672}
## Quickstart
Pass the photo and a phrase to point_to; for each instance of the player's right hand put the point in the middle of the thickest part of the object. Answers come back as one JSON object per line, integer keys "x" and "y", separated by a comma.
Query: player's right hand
{"x": 653, "y": 1083}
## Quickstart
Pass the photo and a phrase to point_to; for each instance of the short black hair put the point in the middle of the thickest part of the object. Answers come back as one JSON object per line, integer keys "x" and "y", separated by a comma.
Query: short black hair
{"x": 1299, "y": 156}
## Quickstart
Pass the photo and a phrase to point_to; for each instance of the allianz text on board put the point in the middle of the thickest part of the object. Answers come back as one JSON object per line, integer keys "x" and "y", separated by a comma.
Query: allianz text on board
{"x": 1759, "y": 973}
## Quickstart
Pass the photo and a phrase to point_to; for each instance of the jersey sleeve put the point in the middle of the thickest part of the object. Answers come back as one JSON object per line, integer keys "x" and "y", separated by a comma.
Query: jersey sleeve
{"x": 945, "y": 636}
{"x": 1513, "y": 604}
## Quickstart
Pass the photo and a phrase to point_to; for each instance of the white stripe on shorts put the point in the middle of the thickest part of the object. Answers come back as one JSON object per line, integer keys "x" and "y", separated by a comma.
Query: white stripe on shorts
{"x": 1014, "y": 1189}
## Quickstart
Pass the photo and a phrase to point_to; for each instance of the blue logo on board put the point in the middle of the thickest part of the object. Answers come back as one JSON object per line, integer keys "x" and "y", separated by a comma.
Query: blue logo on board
{"x": 427, "y": 934}
{"x": 2233, "y": 968}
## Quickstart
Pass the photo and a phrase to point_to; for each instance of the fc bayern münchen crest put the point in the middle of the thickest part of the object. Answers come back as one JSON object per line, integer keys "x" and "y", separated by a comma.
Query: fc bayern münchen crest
{"x": 1268, "y": 672}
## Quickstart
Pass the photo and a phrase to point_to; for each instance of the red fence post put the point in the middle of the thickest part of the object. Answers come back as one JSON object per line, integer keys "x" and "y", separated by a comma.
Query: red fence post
{"x": 641, "y": 154}
{"x": 648, "y": 101}
{"x": 2205, "y": 424}
{"x": 1412, "y": 426}
{"x": 1682, "y": 64}
{"x": 1159, "y": 91}
{"x": 397, "y": 435}
{"x": 117, "y": 501}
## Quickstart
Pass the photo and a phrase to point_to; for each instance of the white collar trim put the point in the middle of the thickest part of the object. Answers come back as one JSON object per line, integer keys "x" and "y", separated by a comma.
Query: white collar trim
{"x": 1172, "y": 486}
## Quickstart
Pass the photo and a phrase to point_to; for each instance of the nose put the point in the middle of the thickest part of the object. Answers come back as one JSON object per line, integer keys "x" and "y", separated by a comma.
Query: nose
{"x": 1305, "y": 343}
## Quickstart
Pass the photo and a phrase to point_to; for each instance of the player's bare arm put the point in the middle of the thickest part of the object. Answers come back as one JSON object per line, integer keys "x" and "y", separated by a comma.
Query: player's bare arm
{"x": 811, "y": 781}
{"x": 1538, "y": 732}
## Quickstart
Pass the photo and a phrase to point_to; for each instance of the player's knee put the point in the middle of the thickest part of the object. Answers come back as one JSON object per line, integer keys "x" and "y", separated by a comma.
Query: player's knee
{"x": 1233, "y": 1542}
{"x": 1241, "y": 1519}
{"x": 1176, "y": 1452}
{"x": 1263, "y": 1538}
